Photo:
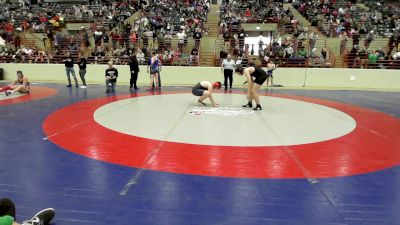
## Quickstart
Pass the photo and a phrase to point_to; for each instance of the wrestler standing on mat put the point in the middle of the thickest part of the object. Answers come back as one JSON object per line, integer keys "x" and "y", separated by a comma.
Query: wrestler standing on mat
{"x": 260, "y": 76}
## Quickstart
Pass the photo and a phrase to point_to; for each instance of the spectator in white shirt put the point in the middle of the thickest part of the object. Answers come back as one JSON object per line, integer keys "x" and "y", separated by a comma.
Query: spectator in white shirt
{"x": 140, "y": 57}
{"x": 289, "y": 51}
{"x": 181, "y": 39}
{"x": 396, "y": 56}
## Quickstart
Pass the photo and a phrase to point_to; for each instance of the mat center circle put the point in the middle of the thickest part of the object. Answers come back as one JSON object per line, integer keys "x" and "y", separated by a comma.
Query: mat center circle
{"x": 176, "y": 118}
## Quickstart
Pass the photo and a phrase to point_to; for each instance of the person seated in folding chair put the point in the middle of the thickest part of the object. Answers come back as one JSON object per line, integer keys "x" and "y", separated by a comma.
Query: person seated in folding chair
{"x": 7, "y": 215}
{"x": 21, "y": 84}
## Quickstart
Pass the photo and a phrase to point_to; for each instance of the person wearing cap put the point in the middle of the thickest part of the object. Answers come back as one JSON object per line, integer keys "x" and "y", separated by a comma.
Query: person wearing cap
{"x": 204, "y": 90}
{"x": 21, "y": 84}
{"x": 260, "y": 76}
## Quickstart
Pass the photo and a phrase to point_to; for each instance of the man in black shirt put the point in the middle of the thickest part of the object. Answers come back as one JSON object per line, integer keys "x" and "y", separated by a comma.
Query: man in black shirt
{"x": 197, "y": 36}
{"x": 111, "y": 77}
{"x": 82, "y": 70}
{"x": 69, "y": 69}
{"x": 134, "y": 68}
{"x": 194, "y": 57}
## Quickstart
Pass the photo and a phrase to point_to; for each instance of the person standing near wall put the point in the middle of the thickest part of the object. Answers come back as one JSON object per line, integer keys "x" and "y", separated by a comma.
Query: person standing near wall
{"x": 227, "y": 67}
{"x": 134, "y": 68}
{"x": 69, "y": 69}
{"x": 154, "y": 67}
{"x": 270, "y": 68}
{"x": 82, "y": 69}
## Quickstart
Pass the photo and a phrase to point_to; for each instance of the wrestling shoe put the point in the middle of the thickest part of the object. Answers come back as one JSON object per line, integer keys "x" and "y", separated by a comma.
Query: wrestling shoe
{"x": 248, "y": 105}
{"x": 41, "y": 218}
{"x": 258, "y": 107}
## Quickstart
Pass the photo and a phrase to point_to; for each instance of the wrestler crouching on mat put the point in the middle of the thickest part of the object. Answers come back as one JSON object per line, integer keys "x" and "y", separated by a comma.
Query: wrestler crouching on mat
{"x": 204, "y": 89}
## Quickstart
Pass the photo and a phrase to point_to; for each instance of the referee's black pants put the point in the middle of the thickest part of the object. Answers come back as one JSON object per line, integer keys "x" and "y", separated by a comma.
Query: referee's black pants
{"x": 228, "y": 75}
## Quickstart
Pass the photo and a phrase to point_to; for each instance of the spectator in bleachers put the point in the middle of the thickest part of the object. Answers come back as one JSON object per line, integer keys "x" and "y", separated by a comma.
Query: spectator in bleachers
{"x": 302, "y": 53}
{"x": 140, "y": 56}
{"x": 223, "y": 54}
{"x": 303, "y": 36}
{"x": 373, "y": 56}
{"x": 98, "y": 36}
{"x": 356, "y": 37}
{"x": 343, "y": 41}
{"x": 72, "y": 47}
{"x": 168, "y": 41}
{"x": 181, "y": 39}
{"x": 313, "y": 39}
{"x": 315, "y": 58}
{"x": 176, "y": 57}
{"x": 391, "y": 43}
{"x": 194, "y": 56}
{"x": 368, "y": 39}
{"x": 197, "y": 36}
{"x": 396, "y": 56}
{"x": 288, "y": 52}
{"x": 355, "y": 57}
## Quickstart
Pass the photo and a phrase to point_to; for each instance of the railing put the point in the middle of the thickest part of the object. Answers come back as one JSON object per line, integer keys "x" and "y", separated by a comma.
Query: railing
{"x": 320, "y": 44}
{"x": 353, "y": 60}
{"x": 374, "y": 45}
{"x": 349, "y": 61}
{"x": 117, "y": 60}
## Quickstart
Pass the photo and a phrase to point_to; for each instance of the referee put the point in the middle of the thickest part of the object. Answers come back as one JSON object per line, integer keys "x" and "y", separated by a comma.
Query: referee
{"x": 228, "y": 66}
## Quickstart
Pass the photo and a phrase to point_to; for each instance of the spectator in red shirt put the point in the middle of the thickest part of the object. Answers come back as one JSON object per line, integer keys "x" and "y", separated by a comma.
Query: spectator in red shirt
{"x": 248, "y": 12}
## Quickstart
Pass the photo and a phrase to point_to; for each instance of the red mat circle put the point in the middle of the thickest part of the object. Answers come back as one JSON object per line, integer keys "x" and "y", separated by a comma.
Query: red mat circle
{"x": 372, "y": 146}
{"x": 35, "y": 94}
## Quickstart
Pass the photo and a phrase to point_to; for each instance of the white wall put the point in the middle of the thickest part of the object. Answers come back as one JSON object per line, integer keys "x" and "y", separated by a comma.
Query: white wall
{"x": 287, "y": 77}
